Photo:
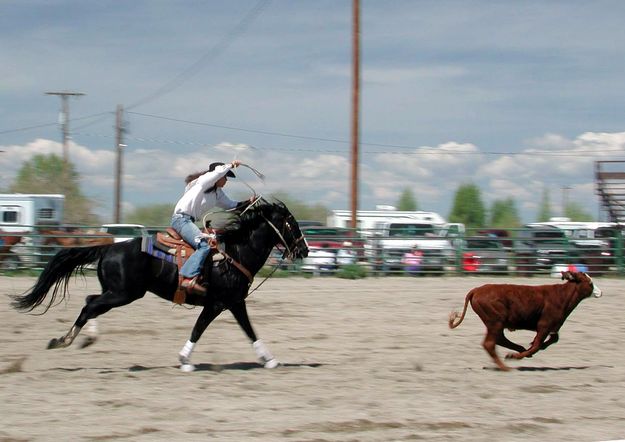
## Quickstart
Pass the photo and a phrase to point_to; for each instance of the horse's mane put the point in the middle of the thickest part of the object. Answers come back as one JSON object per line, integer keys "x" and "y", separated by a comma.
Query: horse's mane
{"x": 245, "y": 221}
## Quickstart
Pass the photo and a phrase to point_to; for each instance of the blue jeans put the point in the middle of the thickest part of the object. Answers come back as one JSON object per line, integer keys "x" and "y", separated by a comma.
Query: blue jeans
{"x": 193, "y": 235}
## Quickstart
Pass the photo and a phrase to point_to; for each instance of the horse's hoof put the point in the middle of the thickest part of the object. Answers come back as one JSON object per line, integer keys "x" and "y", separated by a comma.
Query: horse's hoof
{"x": 272, "y": 363}
{"x": 54, "y": 343}
{"x": 187, "y": 368}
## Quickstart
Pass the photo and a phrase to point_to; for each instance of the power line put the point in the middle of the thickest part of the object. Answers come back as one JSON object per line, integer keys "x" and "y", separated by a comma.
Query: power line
{"x": 102, "y": 116}
{"x": 177, "y": 81}
{"x": 212, "y": 53}
{"x": 22, "y": 129}
{"x": 420, "y": 149}
{"x": 416, "y": 150}
{"x": 239, "y": 129}
{"x": 38, "y": 126}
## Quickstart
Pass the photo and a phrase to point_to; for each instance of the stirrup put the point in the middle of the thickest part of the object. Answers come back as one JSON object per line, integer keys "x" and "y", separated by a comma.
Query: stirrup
{"x": 191, "y": 285}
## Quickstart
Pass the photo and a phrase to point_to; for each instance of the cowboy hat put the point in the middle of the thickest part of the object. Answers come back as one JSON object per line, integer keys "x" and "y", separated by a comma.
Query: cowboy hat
{"x": 213, "y": 165}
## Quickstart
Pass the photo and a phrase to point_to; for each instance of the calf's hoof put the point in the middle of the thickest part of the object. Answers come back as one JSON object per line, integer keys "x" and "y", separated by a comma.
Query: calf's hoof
{"x": 515, "y": 356}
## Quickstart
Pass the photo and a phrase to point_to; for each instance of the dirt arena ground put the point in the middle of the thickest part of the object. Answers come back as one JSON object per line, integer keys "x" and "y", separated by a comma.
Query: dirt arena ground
{"x": 364, "y": 360}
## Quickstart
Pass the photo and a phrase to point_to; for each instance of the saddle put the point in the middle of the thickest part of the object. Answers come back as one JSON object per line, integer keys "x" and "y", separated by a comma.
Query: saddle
{"x": 169, "y": 245}
{"x": 173, "y": 244}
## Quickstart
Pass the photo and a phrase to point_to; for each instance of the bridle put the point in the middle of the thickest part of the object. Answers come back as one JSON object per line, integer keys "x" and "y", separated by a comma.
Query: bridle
{"x": 289, "y": 251}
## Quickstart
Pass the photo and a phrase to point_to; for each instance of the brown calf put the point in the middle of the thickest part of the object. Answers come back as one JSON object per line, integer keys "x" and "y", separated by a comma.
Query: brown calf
{"x": 542, "y": 308}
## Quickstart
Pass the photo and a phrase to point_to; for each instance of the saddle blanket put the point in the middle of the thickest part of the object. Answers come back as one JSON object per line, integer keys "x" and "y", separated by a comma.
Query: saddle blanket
{"x": 148, "y": 245}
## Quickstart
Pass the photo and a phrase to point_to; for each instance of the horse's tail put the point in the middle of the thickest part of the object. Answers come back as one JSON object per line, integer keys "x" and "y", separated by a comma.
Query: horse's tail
{"x": 57, "y": 273}
{"x": 456, "y": 318}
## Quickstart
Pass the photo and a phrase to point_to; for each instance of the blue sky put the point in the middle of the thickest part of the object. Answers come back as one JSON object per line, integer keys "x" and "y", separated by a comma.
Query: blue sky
{"x": 515, "y": 97}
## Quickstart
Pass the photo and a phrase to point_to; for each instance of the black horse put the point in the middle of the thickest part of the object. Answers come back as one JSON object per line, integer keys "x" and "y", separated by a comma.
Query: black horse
{"x": 126, "y": 274}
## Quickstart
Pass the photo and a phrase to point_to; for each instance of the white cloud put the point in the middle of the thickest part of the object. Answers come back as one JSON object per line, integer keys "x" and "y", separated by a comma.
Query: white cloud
{"x": 431, "y": 74}
{"x": 154, "y": 175}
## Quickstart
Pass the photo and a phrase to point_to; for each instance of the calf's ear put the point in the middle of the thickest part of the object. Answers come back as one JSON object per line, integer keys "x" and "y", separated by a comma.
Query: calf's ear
{"x": 567, "y": 276}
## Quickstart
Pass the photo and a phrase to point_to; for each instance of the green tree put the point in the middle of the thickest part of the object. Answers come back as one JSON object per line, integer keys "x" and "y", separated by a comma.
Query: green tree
{"x": 468, "y": 207}
{"x": 407, "y": 201}
{"x": 575, "y": 212}
{"x": 44, "y": 174}
{"x": 155, "y": 215}
{"x": 544, "y": 213}
{"x": 503, "y": 213}
{"x": 159, "y": 215}
{"x": 302, "y": 211}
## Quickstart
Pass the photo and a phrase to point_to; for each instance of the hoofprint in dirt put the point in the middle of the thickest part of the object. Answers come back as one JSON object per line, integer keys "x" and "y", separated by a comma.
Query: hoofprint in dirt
{"x": 363, "y": 360}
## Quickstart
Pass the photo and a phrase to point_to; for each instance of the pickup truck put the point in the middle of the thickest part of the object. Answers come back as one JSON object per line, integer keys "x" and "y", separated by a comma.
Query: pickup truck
{"x": 538, "y": 248}
{"x": 391, "y": 240}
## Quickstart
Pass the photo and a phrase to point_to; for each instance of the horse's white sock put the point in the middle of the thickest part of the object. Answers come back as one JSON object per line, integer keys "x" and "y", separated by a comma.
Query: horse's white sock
{"x": 187, "y": 350}
{"x": 262, "y": 351}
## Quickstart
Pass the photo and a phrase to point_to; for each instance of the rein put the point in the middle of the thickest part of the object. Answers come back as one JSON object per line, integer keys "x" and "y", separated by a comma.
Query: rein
{"x": 275, "y": 267}
{"x": 239, "y": 266}
{"x": 289, "y": 253}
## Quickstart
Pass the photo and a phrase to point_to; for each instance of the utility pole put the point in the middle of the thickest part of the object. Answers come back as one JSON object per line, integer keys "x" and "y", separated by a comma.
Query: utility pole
{"x": 119, "y": 140}
{"x": 64, "y": 119}
{"x": 355, "y": 109}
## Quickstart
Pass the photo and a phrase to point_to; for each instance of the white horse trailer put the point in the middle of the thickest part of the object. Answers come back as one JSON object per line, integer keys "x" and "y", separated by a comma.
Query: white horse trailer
{"x": 22, "y": 212}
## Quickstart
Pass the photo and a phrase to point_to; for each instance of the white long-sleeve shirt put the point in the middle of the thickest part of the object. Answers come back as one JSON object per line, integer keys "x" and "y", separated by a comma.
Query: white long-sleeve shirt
{"x": 196, "y": 202}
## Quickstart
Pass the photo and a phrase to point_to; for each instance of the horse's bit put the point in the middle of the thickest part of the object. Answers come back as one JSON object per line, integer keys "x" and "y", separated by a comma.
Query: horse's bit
{"x": 290, "y": 251}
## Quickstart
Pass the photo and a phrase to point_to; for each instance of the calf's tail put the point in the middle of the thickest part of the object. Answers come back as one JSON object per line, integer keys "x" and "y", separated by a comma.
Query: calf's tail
{"x": 456, "y": 318}
{"x": 57, "y": 273}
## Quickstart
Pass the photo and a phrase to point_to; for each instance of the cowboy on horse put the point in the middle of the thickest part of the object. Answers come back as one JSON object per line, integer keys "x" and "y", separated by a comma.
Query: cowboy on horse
{"x": 126, "y": 272}
{"x": 203, "y": 192}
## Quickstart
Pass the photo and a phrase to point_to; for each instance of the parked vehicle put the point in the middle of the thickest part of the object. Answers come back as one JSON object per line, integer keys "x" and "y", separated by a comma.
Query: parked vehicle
{"x": 330, "y": 248}
{"x": 332, "y": 237}
{"x": 504, "y": 236}
{"x": 613, "y": 235}
{"x": 309, "y": 223}
{"x": 483, "y": 254}
{"x": 392, "y": 240}
{"x": 124, "y": 232}
{"x": 368, "y": 220}
{"x": 540, "y": 246}
{"x": 388, "y": 231}
{"x": 320, "y": 261}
